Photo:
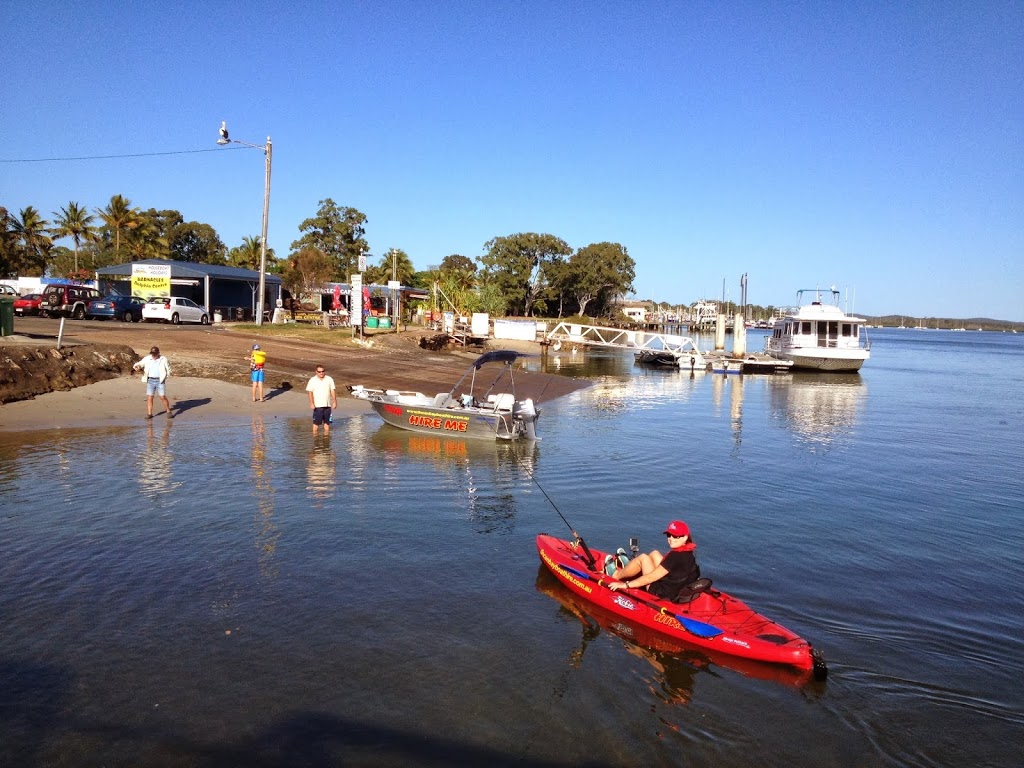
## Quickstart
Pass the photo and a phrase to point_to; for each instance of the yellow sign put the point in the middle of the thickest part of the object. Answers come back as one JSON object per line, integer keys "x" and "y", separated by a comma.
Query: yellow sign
{"x": 149, "y": 280}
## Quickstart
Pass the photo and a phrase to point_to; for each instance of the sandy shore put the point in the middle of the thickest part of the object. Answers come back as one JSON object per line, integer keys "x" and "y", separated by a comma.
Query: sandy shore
{"x": 122, "y": 402}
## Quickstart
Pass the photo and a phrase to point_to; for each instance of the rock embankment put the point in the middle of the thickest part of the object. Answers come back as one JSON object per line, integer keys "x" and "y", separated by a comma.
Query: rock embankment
{"x": 28, "y": 370}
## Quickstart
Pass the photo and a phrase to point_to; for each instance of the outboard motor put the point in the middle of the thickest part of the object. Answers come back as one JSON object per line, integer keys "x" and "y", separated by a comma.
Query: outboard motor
{"x": 525, "y": 412}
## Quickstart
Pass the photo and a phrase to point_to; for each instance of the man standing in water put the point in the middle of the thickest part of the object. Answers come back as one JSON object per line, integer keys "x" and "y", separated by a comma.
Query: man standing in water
{"x": 322, "y": 398}
{"x": 155, "y": 370}
{"x": 257, "y": 360}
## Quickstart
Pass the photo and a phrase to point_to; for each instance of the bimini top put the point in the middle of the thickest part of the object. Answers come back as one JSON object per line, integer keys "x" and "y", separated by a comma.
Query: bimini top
{"x": 496, "y": 356}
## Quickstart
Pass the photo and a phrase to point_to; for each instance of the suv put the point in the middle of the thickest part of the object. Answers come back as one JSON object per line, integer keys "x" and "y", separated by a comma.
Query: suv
{"x": 67, "y": 300}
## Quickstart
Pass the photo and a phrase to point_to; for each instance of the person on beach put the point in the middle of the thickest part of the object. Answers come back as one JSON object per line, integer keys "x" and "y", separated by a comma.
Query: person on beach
{"x": 661, "y": 575}
{"x": 155, "y": 370}
{"x": 322, "y": 399}
{"x": 257, "y": 360}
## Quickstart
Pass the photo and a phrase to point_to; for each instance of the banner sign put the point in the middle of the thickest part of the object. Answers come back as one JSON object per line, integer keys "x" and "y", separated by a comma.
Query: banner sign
{"x": 150, "y": 280}
{"x": 356, "y": 300}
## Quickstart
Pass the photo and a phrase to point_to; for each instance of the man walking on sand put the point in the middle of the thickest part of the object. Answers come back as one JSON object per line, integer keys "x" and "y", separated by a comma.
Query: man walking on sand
{"x": 155, "y": 370}
{"x": 322, "y": 398}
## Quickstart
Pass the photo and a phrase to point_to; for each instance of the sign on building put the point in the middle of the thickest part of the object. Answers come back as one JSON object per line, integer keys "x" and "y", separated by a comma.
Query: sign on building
{"x": 150, "y": 280}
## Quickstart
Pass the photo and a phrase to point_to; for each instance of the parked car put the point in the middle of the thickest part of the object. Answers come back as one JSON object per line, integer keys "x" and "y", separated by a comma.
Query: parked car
{"x": 7, "y": 290}
{"x": 28, "y": 304}
{"x": 67, "y": 300}
{"x": 127, "y": 308}
{"x": 175, "y": 310}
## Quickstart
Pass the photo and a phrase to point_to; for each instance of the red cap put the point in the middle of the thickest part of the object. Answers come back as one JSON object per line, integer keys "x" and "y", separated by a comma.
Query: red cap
{"x": 677, "y": 528}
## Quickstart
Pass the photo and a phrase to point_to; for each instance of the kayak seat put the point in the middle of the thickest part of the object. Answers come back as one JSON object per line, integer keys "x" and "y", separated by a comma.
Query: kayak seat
{"x": 692, "y": 590}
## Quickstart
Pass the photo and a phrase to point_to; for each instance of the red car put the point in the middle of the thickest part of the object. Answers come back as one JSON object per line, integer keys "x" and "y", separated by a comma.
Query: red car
{"x": 28, "y": 304}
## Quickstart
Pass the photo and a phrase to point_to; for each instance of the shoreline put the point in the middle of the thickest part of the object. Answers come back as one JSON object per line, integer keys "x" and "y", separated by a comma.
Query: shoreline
{"x": 121, "y": 402}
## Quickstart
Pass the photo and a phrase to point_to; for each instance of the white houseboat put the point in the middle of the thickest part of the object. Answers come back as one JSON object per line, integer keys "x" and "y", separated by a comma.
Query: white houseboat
{"x": 819, "y": 336}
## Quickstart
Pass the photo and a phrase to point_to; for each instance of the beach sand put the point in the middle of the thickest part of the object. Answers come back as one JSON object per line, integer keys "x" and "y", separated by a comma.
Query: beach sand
{"x": 122, "y": 402}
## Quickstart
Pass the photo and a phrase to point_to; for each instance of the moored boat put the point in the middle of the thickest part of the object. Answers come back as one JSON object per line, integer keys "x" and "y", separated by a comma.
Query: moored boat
{"x": 819, "y": 336}
{"x": 495, "y": 415}
{"x": 710, "y": 619}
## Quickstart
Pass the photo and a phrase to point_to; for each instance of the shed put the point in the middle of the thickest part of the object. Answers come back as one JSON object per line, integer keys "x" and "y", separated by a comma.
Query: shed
{"x": 230, "y": 290}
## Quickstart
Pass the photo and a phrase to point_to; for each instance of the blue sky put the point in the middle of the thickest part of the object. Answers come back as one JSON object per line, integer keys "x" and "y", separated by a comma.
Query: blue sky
{"x": 876, "y": 146}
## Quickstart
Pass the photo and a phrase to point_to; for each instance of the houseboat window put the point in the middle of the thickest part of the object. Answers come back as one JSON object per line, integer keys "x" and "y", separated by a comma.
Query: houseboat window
{"x": 807, "y": 327}
{"x": 849, "y": 329}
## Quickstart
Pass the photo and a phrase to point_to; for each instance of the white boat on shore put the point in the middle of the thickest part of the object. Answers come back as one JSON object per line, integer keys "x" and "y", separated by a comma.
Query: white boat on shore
{"x": 819, "y": 336}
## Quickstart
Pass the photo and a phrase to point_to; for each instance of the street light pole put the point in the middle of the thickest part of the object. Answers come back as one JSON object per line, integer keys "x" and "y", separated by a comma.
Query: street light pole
{"x": 267, "y": 150}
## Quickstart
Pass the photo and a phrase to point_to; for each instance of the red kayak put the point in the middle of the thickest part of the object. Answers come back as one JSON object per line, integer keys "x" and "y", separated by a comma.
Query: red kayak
{"x": 711, "y": 619}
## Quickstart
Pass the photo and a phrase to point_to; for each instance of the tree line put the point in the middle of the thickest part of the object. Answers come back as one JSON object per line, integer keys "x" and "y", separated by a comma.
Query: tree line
{"x": 524, "y": 274}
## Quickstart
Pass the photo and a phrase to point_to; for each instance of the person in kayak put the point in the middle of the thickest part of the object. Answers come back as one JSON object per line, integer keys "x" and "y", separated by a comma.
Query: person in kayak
{"x": 662, "y": 575}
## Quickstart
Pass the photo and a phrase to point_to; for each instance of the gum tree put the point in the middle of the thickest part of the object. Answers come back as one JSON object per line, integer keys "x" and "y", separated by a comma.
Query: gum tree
{"x": 514, "y": 266}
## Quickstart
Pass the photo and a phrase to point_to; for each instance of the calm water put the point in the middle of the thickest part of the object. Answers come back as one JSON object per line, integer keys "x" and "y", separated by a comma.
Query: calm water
{"x": 250, "y": 595}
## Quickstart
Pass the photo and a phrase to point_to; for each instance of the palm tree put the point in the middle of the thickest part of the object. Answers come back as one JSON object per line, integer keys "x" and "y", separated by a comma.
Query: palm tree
{"x": 35, "y": 245}
{"x": 247, "y": 255}
{"x": 119, "y": 215}
{"x": 397, "y": 266}
{"x": 144, "y": 240}
{"x": 75, "y": 222}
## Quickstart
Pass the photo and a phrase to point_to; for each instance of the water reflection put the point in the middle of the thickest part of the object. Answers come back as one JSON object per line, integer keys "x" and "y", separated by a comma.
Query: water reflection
{"x": 488, "y": 472}
{"x": 726, "y": 387}
{"x": 646, "y": 389}
{"x": 818, "y": 407}
{"x": 267, "y": 533}
{"x": 321, "y": 468}
{"x": 156, "y": 463}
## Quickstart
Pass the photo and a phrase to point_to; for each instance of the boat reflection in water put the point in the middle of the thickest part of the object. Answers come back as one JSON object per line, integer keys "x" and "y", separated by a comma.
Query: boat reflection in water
{"x": 490, "y": 474}
{"x": 677, "y": 665}
{"x": 819, "y": 407}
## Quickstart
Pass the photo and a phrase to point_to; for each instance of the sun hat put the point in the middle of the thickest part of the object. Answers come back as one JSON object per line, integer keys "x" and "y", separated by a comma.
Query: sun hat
{"x": 677, "y": 528}
{"x": 255, "y": 346}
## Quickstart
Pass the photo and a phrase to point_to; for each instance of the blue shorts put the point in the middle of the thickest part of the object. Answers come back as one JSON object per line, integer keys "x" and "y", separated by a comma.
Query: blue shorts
{"x": 322, "y": 415}
{"x": 257, "y": 375}
{"x": 154, "y": 387}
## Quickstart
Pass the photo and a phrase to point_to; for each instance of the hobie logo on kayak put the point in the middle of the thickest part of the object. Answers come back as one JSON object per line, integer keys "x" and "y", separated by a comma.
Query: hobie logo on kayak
{"x": 625, "y": 602}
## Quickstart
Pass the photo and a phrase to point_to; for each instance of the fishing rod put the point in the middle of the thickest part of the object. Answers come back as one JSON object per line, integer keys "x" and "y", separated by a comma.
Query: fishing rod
{"x": 591, "y": 560}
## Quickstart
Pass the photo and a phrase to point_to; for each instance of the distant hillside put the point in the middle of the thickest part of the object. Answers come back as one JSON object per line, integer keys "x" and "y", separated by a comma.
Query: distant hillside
{"x": 968, "y": 323}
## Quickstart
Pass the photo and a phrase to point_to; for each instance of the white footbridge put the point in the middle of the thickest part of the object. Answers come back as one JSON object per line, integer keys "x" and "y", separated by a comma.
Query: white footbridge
{"x": 662, "y": 348}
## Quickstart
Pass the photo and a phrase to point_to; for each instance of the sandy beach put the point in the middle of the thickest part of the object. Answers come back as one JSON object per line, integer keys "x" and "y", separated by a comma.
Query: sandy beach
{"x": 122, "y": 402}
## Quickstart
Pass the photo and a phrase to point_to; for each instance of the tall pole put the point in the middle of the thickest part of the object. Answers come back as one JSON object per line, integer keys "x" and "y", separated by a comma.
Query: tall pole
{"x": 269, "y": 151}
{"x": 394, "y": 292}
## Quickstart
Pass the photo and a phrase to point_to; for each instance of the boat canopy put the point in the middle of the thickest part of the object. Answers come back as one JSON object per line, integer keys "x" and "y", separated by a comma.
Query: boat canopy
{"x": 496, "y": 356}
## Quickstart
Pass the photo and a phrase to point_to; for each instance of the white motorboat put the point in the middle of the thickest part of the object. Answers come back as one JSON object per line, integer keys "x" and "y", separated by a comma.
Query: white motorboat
{"x": 819, "y": 336}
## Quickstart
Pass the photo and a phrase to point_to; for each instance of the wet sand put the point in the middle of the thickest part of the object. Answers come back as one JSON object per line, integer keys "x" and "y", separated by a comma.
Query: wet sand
{"x": 122, "y": 402}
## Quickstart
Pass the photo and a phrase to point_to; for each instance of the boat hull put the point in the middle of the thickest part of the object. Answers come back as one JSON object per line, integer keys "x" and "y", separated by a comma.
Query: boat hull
{"x": 844, "y": 361}
{"x": 738, "y": 631}
{"x": 471, "y": 423}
